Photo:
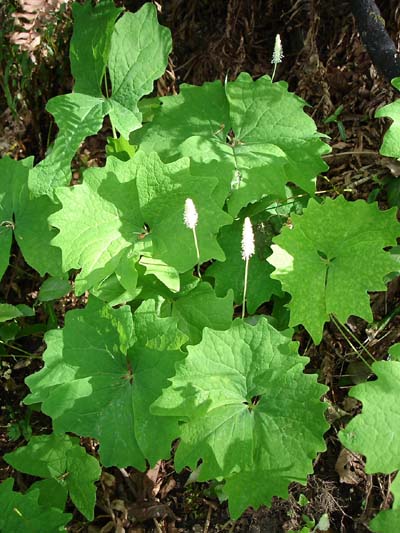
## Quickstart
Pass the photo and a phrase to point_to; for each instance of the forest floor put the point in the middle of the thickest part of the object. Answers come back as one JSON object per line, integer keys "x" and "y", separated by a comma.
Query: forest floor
{"x": 326, "y": 64}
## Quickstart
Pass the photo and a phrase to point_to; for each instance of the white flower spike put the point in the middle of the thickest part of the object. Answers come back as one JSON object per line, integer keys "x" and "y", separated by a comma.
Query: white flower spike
{"x": 277, "y": 56}
{"x": 190, "y": 216}
{"x": 248, "y": 249}
{"x": 247, "y": 240}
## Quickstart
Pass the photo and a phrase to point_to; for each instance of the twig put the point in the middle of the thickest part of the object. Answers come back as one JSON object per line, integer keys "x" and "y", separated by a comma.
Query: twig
{"x": 158, "y": 527}
{"x": 355, "y": 152}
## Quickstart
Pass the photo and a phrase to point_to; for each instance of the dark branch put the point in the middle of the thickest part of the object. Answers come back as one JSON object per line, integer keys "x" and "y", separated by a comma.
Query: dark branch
{"x": 377, "y": 41}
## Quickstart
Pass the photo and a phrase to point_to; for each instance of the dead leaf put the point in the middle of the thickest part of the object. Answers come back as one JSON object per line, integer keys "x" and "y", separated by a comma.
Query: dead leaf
{"x": 350, "y": 467}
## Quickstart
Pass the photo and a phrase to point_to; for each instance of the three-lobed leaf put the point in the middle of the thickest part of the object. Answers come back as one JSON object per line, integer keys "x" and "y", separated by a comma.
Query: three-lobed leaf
{"x": 243, "y": 400}
{"x": 136, "y": 52}
{"x": 331, "y": 257}
{"x": 102, "y": 221}
{"x": 22, "y": 512}
{"x": 230, "y": 273}
{"x": 100, "y": 378}
{"x": 252, "y": 135}
{"x": 61, "y": 458}
{"x": 26, "y": 216}
{"x": 391, "y": 141}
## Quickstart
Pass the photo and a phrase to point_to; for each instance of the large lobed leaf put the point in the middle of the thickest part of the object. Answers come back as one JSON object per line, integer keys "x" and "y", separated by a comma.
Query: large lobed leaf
{"x": 247, "y": 410}
{"x": 103, "y": 219}
{"x": 61, "y": 458}
{"x": 253, "y": 135}
{"x": 27, "y": 216}
{"x": 230, "y": 273}
{"x": 100, "y": 376}
{"x": 21, "y": 512}
{"x": 391, "y": 141}
{"x": 331, "y": 257}
{"x": 136, "y": 52}
{"x": 375, "y": 433}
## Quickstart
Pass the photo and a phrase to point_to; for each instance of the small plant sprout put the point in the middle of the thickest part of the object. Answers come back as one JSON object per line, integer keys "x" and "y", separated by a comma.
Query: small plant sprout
{"x": 277, "y": 56}
{"x": 247, "y": 252}
{"x": 190, "y": 218}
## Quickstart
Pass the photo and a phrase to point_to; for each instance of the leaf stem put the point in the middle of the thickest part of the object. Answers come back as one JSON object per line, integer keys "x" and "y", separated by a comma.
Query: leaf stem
{"x": 15, "y": 348}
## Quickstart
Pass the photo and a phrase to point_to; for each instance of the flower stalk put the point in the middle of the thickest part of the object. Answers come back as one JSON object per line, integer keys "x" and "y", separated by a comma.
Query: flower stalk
{"x": 277, "y": 55}
{"x": 248, "y": 249}
{"x": 190, "y": 218}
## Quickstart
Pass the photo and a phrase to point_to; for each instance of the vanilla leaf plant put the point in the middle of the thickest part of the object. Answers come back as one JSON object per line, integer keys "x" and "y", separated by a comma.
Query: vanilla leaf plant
{"x": 158, "y": 355}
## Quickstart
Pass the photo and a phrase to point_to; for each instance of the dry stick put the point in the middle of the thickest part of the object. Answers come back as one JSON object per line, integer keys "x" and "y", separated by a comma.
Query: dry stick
{"x": 355, "y": 152}
{"x": 158, "y": 527}
{"x": 342, "y": 330}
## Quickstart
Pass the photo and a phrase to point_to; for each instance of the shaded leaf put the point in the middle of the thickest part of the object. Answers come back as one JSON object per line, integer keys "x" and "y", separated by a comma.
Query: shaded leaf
{"x": 202, "y": 308}
{"x": 230, "y": 273}
{"x": 62, "y": 458}
{"x": 21, "y": 512}
{"x": 108, "y": 391}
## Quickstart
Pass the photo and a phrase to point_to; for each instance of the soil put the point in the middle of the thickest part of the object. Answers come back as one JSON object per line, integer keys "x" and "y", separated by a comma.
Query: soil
{"x": 326, "y": 64}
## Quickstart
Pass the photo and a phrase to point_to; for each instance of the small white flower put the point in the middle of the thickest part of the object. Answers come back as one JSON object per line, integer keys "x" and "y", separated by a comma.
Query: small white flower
{"x": 190, "y": 216}
{"x": 247, "y": 240}
{"x": 277, "y": 56}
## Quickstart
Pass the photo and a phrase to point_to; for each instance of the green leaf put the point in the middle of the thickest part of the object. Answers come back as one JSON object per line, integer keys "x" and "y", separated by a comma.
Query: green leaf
{"x": 107, "y": 393}
{"x": 99, "y": 222}
{"x": 247, "y": 410}
{"x": 331, "y": 257}
{"x": 53, "y": 289}
{"x": 138, "y": 56}
{"x": 273, "y": 140}
{"x": 9, "y": 170}
{"x": 230, "y": 273}
{"x": 120, "y": 148}
{"x": 162, "y": 204}
{"x": 51, "y": 493}
{"x": 391, "y": 141}
{"x": 154, "y": 332}
{"x": 389, "y": 521}
{"x": 168, "y": 275}
{"x": 90, "y": 44}
{"x": 62, "y": 458}
{"x": 77, "y": 116}
{"x": 394, "y": 352}
{"x": 21, "y": 512}
{"x": 102, "y": 220}
{"x": 202, "y": 308}
{"x": 377, "y": 428}
{"x": 27, "y": 216}
{"x": 8, "y": 311}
